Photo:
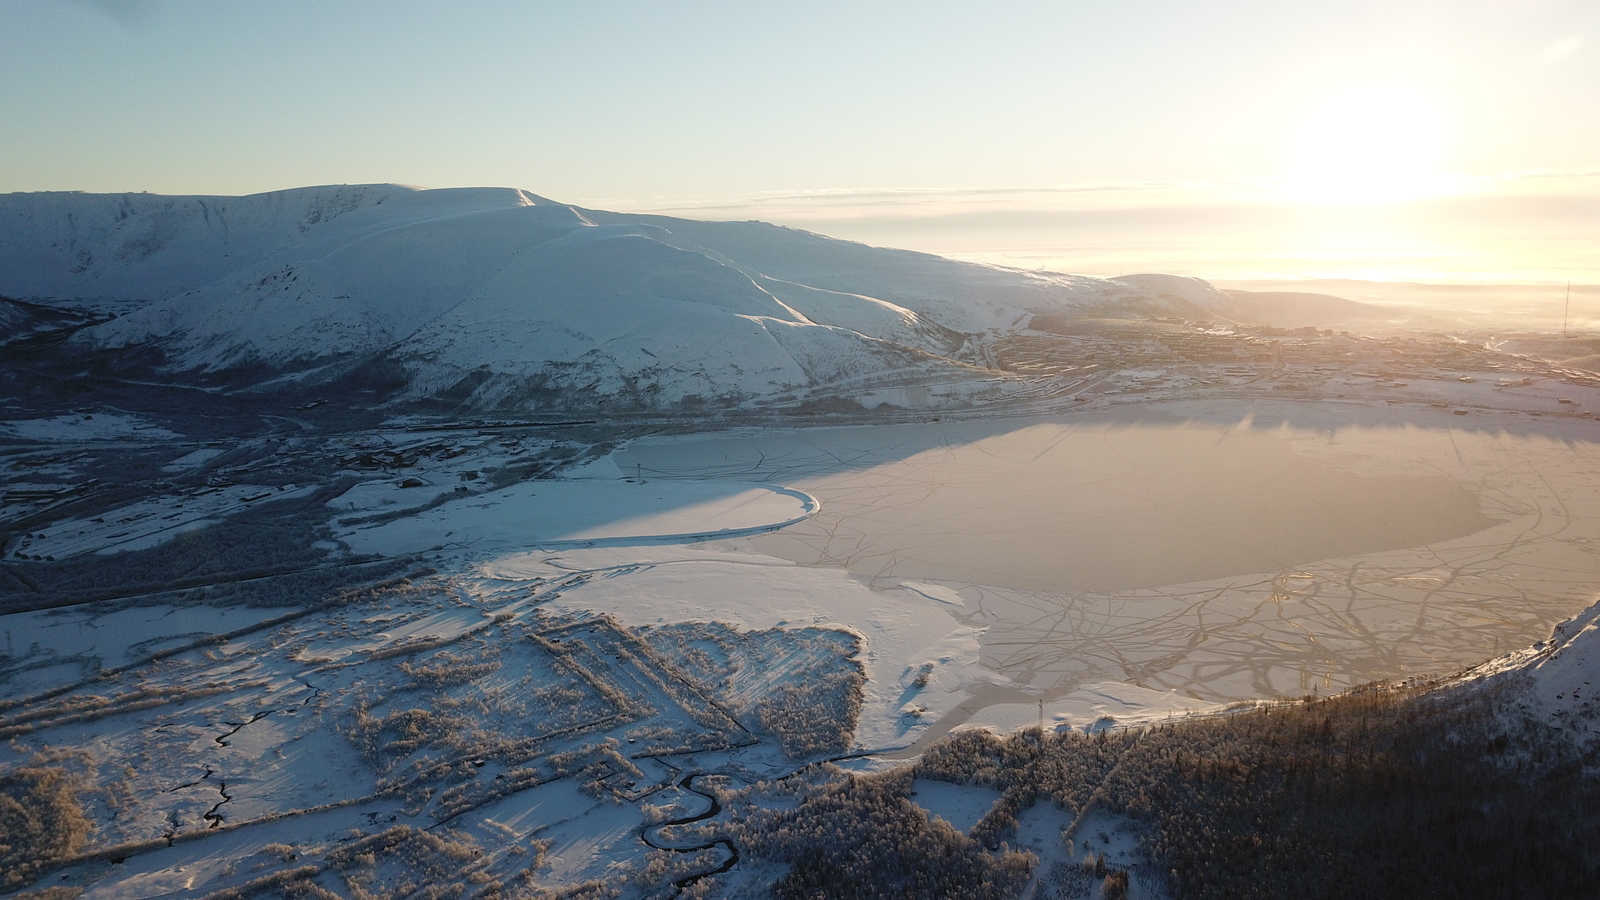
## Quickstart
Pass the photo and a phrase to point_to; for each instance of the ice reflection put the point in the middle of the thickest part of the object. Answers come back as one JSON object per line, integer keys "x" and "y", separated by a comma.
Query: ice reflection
{"x": 1221, "y": 561}
{"x": 1051, "y": 505}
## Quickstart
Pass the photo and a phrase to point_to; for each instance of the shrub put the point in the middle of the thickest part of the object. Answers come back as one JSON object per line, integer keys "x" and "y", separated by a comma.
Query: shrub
{"x": 41, "y": 822}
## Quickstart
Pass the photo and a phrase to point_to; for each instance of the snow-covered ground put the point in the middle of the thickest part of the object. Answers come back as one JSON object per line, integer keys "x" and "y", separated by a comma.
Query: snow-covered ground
{"x": 903, "y": 629}
{"x": 1556, "y": 678}
{"x": 147, "y": 523}
{"x": 193, "y": 459}
{"x": 85, "y": 427}
{"x": 216, "y": 746}
{"x": 962, "y": 805}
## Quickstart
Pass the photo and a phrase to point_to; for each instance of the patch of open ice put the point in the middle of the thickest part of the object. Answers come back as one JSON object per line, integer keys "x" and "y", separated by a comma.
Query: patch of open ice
{"x": 553, "y": 514}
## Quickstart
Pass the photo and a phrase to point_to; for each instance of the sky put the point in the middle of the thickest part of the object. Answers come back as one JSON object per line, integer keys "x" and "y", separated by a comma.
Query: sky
{"x": 1434, "y": 141}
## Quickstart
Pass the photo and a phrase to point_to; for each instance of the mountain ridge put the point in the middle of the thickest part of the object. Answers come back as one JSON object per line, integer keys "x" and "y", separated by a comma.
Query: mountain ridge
{"x": 505, "y": 297}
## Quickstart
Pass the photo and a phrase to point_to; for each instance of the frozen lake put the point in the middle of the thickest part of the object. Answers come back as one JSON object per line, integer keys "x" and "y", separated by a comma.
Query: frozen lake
{"x": 1077, "y": 505}
{"x": 1189, "y": 548}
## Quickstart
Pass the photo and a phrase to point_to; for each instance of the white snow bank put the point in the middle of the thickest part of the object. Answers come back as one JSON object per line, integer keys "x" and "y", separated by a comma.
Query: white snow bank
{"x": 1107, "y": 704}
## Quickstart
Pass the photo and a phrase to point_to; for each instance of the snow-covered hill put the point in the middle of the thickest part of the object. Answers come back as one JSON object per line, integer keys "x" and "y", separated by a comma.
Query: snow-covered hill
{"x": 498, "y": 297}
{"x": 20, "y": 321}
{"x": 1558, "y": 680}
{"x": 120, "y": 250}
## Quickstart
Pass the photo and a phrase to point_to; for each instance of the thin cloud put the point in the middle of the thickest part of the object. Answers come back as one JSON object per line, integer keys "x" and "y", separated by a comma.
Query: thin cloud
{"x": 1562, "y": 49}
{"x": 836, "y": 199}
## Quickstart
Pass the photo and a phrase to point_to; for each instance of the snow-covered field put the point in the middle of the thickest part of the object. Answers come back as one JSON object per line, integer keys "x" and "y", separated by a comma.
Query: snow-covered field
{"x": 274, "y": 733}
{"x": 903, "y": 630}
{"x": 85, "y": 427}
{"x": 962, "y": 805}
{"x": 145, "y": 524}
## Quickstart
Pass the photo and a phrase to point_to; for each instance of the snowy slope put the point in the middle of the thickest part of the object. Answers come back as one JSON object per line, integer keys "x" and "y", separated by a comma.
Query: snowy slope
{"x": 20, "y": 320}
{"x": 1559, "y": 678}
{"x": 1565, "y": 680}
{"x": 965, "y": 297}
{"x": 493, "y": 296}
{"x": 117, "y": 250}
{"x": 353, "y": 286}
{"x": 1564, "y": 675}
{"x": 1182, "y": 289}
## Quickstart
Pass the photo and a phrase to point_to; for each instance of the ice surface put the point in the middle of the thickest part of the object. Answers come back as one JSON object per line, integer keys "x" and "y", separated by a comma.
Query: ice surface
{"x": 588, "y": 513}
{"x": 1074, "y": 504}
{"x": 1218, "y": 557}
{"x": 1100, "y": 705}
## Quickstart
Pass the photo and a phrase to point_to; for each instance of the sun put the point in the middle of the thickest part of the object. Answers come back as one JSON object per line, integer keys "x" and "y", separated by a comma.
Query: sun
{"x": 1368, "y": 144}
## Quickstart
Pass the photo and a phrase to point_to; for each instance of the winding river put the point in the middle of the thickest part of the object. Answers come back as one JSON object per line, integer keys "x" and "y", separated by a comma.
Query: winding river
{"x": 687, "y": 783}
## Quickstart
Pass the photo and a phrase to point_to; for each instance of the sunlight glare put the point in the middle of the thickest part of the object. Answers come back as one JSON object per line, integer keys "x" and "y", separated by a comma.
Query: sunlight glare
{"x": 1373, "y": 144}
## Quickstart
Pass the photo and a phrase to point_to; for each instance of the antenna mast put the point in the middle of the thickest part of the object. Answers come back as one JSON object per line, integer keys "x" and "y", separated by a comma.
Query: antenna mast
{"x": 1567, "y": 309}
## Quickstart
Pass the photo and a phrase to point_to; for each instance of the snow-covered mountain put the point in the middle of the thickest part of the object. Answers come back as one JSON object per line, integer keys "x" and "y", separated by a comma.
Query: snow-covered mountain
{"x": 21, "y": 321}
{"x": 498, "y": 297}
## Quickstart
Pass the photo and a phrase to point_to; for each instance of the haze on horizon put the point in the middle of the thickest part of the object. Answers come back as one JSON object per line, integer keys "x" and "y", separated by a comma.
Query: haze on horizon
{"x": 1245, "y": 141}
